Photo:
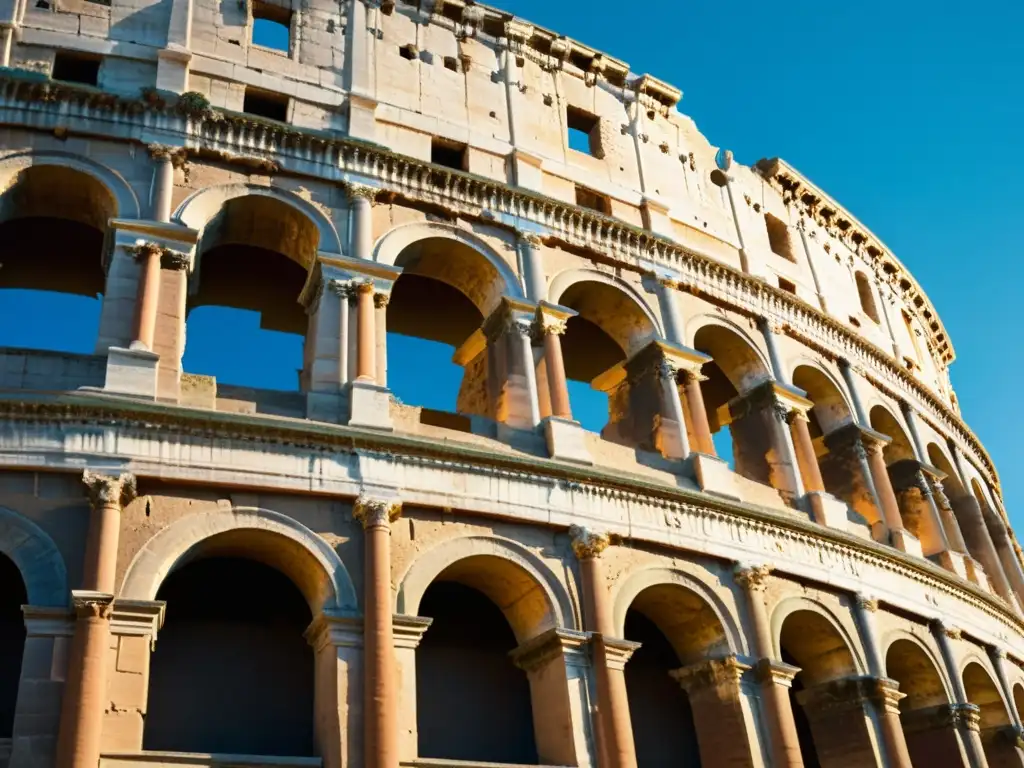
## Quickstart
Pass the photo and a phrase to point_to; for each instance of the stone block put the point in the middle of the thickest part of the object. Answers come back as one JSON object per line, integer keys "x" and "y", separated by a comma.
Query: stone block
{"x": 132, "y": 654}
{"x": 369, "y": 406}
{"x": 198, "y": 391}
{"x": 905, "y": 541}
{"x": 566, "y": 440}
{"x": 325, "y": 406}
{"x": 953, "y": 562}
{"x": 714, "y": 476}
{"x": 132, "y": 372}
{"x": 825, "y": 509}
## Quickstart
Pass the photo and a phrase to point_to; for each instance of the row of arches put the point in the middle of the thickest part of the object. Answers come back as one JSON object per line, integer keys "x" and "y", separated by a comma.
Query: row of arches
{"x": 241, "y": 598}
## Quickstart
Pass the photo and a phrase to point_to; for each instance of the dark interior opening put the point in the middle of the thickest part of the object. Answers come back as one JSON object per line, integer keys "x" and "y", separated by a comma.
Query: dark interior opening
{"x": 272, "y": 106}
{"x": 595, "y": 201}
{"x": 449, "y": 154}
{"x": 663, "y": 728}
{"x": 803, "y": 725}
{"x": 12, "y": 641}
{"x": 76, "y": 68}
{"x": 472, "y": 702}
{"x": 232, "y": 673}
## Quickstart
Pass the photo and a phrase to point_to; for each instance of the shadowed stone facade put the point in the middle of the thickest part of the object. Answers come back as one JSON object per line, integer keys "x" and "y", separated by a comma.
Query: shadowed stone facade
{"x": 195, "y": 573}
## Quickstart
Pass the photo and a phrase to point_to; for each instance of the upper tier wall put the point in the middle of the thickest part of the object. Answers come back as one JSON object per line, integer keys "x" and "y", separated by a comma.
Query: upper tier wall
{"x": 474, "y": 87}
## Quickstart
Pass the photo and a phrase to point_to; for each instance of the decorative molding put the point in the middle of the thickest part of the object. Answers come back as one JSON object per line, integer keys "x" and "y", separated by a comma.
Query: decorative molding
{"x": 376, "y": 513}
{"x": 752, "y": 578}
{"x": 92, "y": 605}
{"x": 587, "y": 543}
{"x": 722, "y": 675}
{"x": 107, "y": 491}
{"x": 869, "y": 604}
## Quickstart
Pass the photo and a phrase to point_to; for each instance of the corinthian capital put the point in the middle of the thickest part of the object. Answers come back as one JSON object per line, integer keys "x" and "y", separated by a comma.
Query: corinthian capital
{"x": 92, "y": 605}
{"x": 376, "y": 513}
{"x": 362, "y": 192}
{"x": 107, "y": 491}
{"x": 752, "y": 578}
{"x": 546, "y": 326}
{"x": 587, "y": 543}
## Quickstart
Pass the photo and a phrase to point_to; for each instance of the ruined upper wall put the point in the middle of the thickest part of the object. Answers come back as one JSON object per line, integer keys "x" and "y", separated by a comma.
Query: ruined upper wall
{"x": 472, "y": 86}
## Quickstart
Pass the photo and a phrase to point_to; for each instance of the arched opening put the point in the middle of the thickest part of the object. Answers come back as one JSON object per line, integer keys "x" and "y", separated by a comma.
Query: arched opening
{"x": 12, "y": 641}
{"x": 437, "y": 306}
{"x": 254, "y": 258}
{"x": 472, "y": 702}
{"x": 811, "y": 642}
{"x": 232, "y": 672}
{"x": 867, "y": 297}
{"x": 52, "y": 225}
{"x": 983, "y": 692}
{"x": 735, "y": 369}
{"x": 1018, "y": 700}
{"x": 830, "y": 412}
{"x": 908, "y": 664}
{"x": 609, "y": 327}
{"x": 668, "y": 706}
{"x": 966, "y": 510}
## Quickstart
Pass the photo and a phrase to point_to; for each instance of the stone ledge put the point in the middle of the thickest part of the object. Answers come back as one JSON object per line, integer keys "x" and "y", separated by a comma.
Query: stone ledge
{"x": 154, "y": 758}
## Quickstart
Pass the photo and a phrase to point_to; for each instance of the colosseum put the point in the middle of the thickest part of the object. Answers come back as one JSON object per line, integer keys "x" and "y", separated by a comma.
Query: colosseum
{"x": 781, "y": 547}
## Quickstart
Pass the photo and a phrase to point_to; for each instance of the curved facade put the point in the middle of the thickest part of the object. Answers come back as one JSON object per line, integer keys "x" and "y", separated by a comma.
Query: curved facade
{"x": 783, "y": 548}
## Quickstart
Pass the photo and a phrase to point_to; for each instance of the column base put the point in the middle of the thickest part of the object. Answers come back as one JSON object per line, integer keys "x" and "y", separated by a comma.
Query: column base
{"x": 328, "y": 407}
{"x": 132, "y": 372}
{"x": 566, "y": 440}
{"x": 905, "y": 541}
{"x": 976, "y": 573}
{"x": 369, "y": 405}
{"x": 825, "y": 509}
{"x": 714, "y": 476}
{"x": 953, "y": 562}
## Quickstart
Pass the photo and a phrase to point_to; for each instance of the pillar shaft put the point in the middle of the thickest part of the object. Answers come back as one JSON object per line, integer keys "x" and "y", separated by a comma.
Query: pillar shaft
{"x": 366, "y": 347}
{"x": 980, "y": 544}
{"x": 555, "y": 366}
{"x": 883, "y": 487}
{"x": 107, "y": 497}
{"x": 163, "y": 186}
{"x": 703, "y": 442}
{"x": 380, "y": 677}
{"x": 82, "y": 706}
{"x": 1011, "y": 565}
{"x": 774, "y": 678}
{"x": 674, "y": 405}
{"x": 769, "y": 330}
{"x": 670, "y": 316}
{"x": 805, "y": 455}
{"x": 533, "y": 267}
{"x": 950, "y": 524}
{"x": 965, "y": 714}
{"x": 851, "y": 383}
{"x": 614, "y": 729}
{"x": 148, "y": 296}
{"x": 715, "y": 695}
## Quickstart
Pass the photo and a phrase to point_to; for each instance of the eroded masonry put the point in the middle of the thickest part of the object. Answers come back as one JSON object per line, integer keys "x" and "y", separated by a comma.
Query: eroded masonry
{"x": 784, "y": 548}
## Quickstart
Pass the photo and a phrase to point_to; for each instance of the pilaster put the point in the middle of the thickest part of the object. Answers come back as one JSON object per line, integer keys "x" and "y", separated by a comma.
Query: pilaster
{"x": 337, "y": 642}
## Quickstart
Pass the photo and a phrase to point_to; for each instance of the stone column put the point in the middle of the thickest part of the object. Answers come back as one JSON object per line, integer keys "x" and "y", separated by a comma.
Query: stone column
{"x": 361, "y": 199}
{"x": 946, "y": 514}
{"x": 6, "y": 42}
{"x": 805, "y": 455}
{"x": 716, "y": 700}
{"x": 884, "y": 490}
{"x": 980, "y": 545}
{"x": 963, "y": 717}
{"x": 840, "y": 714}
{"x": 83, "y": 702}
{"x": 380, "y": 699}
{"x": 366, "y": 347}
{"x": 885, "y": 693}
{"x": 998, "y": 658}
{"x": 148, "y": 295}
{"x": 533, "y": 266}
{"x": 613, "y": 726}
{"x": 343, "y": 289}
{"x": 676, "y": 443}
{"x": 670, "y": 316}
{"x": 1007, "y": 556}
{"x": 107, "y": 497}
{"x": 552, "y": 329}
{"x": 850, "y": 377}
{"x": 337, "y": 642}
{"x": 774, "y": 677}
{"x": 769, "y": 328}
{"x": 165, "y": 160}
{"x": 409, "y": 631}
{"x": 849, "y": 472}
{"x": 702, "y": 440}
{"x": 938, "y": 737}
{"x": 801, "y": 227}
{"x": 501, "y": 355}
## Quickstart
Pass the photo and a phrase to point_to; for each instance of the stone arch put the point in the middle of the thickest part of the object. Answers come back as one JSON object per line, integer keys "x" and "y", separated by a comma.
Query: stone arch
{"x": 564, "y": 281}
{"x": 900, "y": 447}
{"x": 734, "y": 351}
{"x": 1018, "y": 700}
{"x": 125, "y": 202}
{"x": 248, "y": 532}
{"x": 832, "y": 407}
{"x": 509, "y": 574}
{"x": 666, "y": 581}
{"x": 37, "y": 558}
{"x": 983, "y": 691}
{"x": 914, "y": 665}
{"x": 201, "y": 207}
{"x": 398, "y": 240}
{"x": 817, "y": 640}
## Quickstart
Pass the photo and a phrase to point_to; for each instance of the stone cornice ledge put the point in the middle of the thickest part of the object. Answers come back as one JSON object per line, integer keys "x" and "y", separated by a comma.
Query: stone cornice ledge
{"x": 333, "y": 158}
{"x": 109, "y": 410}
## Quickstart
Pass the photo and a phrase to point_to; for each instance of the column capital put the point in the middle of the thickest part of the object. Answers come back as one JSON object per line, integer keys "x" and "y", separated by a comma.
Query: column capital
{"x": 693, "y": 375}
{"x": 109, "y": 491}
{"x": 866, "y": 602}
{"x": 92, "y": 605}
{"x": 545, "y": 325}
{"x": 169, "y": 258}
{"x": 753, "y": 578}
{"x": 342, "y": 288}
{"x": 772, "y": 325}
{"x": 587, "y": 543}
{"x": 775, "y": 672}
{"x": 942, "y": 628}
{"x": 381, "y": 299}
{"x": 361, "y": 192}
{"x": 966, "y": 716}
{"x": 997, "y": 652}
{"x": 887, "y": 695}
{"x": 376, "y": 513}
{"x": 177, "y": 155}
{"x": 721, "y": 674}
{"x": 532, "y": 239}
{"x": 616, "y": 652}
{"x": 537, "y": 652}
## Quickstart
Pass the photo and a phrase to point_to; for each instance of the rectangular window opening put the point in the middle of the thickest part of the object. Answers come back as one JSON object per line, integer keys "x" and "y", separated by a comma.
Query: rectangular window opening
{"x": 779, "y": 238}
{"x": 452, "y": 63}
{"x": 584, "y": 132}
{"x": 786, "y": 285}
{"x": 76, "y": 68}
{"x": 408, "y": 52}
{"x": 450, "y": 154}
{"x": 272, "y": 106}
{"x": 271, "y": 26}
{"x": 595, "y": 201}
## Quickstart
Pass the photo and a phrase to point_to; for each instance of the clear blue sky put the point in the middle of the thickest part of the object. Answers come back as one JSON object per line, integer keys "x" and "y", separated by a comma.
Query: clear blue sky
{"x": 908, "y": 114}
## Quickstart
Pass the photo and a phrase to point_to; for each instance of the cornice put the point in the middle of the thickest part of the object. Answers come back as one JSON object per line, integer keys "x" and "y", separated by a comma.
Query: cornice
{"x": 832, "y": 544}
{"x": 320, "y": 155}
